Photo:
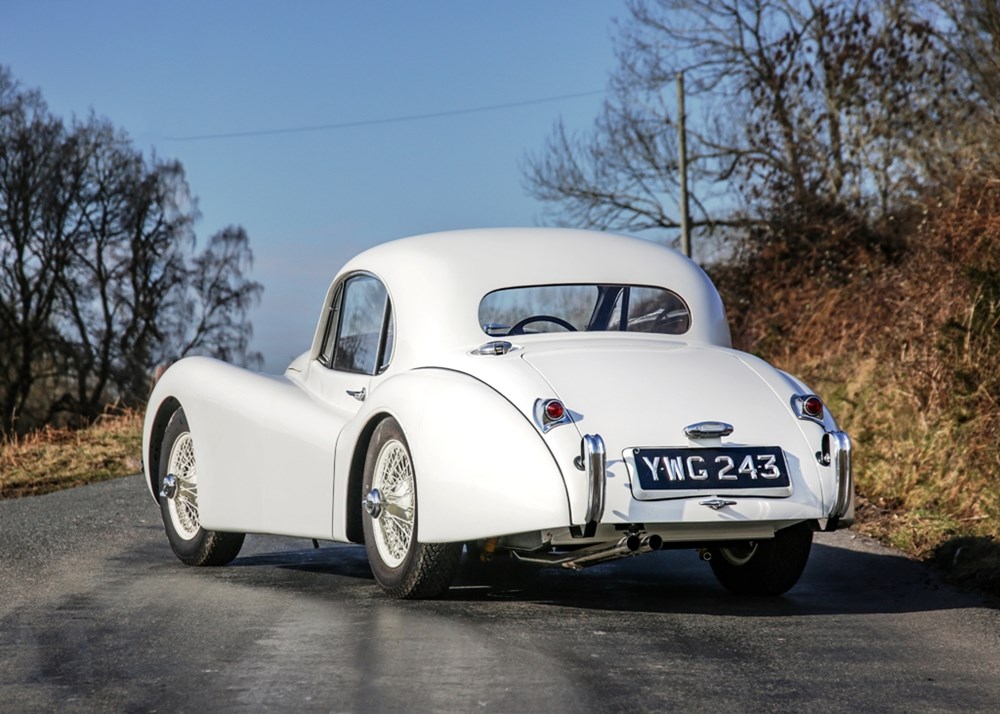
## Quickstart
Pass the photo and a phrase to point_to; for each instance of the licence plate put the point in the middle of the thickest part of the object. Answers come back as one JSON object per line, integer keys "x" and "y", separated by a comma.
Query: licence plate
{"x": 711, "y": 469}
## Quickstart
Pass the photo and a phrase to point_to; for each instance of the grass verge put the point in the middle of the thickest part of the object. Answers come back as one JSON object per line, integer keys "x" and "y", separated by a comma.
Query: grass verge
{"x": 51, "y": 459}
{"x": 903, "y": 343}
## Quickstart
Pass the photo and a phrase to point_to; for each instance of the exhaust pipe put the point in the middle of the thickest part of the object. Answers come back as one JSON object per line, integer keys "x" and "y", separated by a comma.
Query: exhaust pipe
{"x": 633, "y": 544}
{"x": 650, "y": 543}
{"x": 627, "y": 546}
{"x": 705, "y": 554}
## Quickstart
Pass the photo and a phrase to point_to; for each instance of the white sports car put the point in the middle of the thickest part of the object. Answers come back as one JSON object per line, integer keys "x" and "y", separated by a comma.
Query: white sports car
{"x": 559, "y": 397}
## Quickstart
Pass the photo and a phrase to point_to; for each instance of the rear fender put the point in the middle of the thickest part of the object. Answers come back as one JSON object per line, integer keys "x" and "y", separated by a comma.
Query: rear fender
{"x": 834, "y": 475}
{"x": 482, "y": 468}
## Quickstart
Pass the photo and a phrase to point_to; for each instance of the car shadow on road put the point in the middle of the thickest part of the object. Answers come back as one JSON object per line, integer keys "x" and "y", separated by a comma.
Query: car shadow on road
{"x": 836, "y": 581}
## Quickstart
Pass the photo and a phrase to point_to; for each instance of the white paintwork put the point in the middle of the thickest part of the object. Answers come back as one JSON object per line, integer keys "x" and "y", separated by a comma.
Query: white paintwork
{"x": 481, "y": 469}
{"x": 275, "y": 453}
{"x": 436, "y": 281}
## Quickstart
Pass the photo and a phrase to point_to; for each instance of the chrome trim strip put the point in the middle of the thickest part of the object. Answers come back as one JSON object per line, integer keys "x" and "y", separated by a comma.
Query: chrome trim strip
{"x": 595, "y": 460}
{"x": 840, "y": 456}
{"x": 708, "y": 430}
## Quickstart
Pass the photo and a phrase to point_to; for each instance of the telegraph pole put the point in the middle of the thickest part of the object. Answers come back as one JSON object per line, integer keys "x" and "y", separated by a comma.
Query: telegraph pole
{"x": 682, "y": 167}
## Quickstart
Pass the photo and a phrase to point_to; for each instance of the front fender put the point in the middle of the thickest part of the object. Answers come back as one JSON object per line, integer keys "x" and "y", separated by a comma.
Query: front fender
{"x": 264, "y": 447}
{"x": 482, "y": 468}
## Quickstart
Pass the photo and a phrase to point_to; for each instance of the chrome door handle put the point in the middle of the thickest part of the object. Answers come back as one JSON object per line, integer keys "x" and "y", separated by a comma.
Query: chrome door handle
{"x": 358, "y": 394}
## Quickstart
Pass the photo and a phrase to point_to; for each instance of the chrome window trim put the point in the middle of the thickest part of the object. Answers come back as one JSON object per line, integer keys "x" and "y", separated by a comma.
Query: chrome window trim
{"x": 335, "y": 317}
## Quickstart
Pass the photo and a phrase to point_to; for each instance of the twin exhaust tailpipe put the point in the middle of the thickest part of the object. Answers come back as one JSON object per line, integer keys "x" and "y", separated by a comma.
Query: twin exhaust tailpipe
{"x": 632, "y": 544}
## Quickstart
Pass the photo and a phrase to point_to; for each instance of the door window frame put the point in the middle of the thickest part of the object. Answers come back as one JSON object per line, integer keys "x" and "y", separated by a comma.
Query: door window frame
{"x": 334, "y": 326}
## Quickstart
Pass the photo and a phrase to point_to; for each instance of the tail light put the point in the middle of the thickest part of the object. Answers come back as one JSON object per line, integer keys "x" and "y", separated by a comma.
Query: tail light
{"x": 809, "y": 406}
{"x": 550, "y": 413}
{"x": 813, "y": 406}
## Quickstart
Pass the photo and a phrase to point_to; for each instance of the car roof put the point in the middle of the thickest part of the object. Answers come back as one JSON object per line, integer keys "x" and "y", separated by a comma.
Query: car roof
{"x": 437, "y": 280}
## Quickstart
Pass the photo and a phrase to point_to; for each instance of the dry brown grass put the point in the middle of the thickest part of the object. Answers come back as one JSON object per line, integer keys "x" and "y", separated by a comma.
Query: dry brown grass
{"x": 51, "y": 459}
{"x": 906, "y": 352}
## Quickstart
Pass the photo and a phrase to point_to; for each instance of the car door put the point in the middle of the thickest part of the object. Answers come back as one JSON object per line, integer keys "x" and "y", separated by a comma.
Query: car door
{"x": 357, "y": 344}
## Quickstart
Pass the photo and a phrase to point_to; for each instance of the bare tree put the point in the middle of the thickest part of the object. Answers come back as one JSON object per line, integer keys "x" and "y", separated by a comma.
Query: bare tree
{"x": 101, "y": 277}
{"x": 971, "y": 134}
{"x": 127, "y": 263}
{"x": 802, "y": 102}
{"x": 39, "y": 176}
{"x": 212, "y": 319}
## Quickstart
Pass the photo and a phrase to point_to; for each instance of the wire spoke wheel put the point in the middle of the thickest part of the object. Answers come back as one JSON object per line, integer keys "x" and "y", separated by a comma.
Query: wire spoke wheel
{"x": 393, "y": 477}
{"x": 183, "y": 506}
{"x": 403, "y": 566}
{"x": 178, "y": 488}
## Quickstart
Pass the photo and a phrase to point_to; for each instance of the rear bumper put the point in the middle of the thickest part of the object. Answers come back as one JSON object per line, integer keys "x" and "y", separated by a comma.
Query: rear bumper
{"x": 823, "y": 494}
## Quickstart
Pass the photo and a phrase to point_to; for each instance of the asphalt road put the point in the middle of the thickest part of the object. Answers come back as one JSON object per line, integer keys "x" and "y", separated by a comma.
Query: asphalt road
{"x": 97, "y": 615}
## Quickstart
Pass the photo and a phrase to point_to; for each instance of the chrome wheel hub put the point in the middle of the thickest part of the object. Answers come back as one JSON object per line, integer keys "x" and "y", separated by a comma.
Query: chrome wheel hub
{"x": 373, "y": 503}
{"x": 169, "y": 488}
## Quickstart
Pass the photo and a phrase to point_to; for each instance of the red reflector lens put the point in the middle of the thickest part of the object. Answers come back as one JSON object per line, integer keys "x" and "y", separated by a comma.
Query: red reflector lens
{"x": 554, "y": 410}
{"x": 812, "y": 406}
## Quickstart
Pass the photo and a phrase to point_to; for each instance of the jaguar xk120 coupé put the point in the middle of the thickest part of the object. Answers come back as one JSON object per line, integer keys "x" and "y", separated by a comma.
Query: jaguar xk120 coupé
{"x": 558, "y": 397}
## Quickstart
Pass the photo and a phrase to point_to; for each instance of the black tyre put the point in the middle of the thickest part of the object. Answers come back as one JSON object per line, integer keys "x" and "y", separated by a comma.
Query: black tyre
{"x": 402, "y": 566}
{"x": 765, "y": 567}
{"x": 179, "y": 502}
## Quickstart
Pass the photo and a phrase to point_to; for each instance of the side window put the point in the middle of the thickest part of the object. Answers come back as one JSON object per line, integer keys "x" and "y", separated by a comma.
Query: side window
{"x": 330, "y": 333}
{"x": 359, "y": 330}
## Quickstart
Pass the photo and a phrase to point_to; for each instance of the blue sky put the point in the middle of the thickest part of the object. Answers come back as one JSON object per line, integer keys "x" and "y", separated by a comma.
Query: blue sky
{"x": 311, "y": 200}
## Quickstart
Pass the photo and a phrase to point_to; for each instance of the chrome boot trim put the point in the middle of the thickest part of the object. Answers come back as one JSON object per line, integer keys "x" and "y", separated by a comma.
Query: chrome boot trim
{"x": 717, "y": 503}
{"x": 708, "y": 430}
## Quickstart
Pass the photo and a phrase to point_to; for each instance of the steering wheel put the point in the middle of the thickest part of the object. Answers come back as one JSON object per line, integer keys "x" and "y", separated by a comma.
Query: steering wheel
{"x": 518, "y": 327}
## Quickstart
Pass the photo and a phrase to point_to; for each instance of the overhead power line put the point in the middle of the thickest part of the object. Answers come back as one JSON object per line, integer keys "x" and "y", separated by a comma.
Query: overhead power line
{"x": 384, "y": 120}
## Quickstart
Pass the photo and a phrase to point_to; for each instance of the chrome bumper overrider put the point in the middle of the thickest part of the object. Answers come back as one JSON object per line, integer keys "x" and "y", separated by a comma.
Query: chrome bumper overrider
{"x": 839, "y": 449}
{"x": 595, "y": 462}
